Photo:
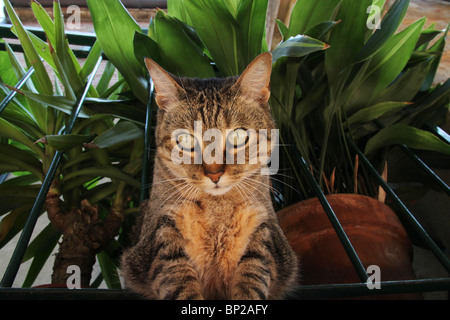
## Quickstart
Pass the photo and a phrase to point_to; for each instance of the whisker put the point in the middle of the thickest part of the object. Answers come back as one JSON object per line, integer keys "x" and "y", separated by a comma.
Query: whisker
{"x": 249, "y": 181}
{"x": 245, "y": 193}
{"x": 281, "y": 181}
{"x": 162, "y": 181}
{"x": 175, "y": 192}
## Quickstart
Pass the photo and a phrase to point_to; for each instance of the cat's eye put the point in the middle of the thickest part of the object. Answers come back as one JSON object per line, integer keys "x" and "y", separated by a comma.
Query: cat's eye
{"x": 237, "y": 138}
{"x": 186, "y": 141}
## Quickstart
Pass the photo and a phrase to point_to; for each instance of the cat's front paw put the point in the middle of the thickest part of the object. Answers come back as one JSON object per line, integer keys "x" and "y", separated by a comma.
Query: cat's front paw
{"x": 248, "y": 292}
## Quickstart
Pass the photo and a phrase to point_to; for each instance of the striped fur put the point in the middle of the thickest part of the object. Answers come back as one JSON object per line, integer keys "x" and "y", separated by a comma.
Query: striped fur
{"x": 196, "y": 245}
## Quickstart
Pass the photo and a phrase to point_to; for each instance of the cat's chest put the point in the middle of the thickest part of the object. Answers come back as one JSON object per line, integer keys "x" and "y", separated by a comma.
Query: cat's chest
{"x": 216, "y": 237}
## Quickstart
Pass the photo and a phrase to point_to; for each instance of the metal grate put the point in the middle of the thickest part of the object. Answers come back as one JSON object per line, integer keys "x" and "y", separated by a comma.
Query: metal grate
{"x": 302, "y": 292}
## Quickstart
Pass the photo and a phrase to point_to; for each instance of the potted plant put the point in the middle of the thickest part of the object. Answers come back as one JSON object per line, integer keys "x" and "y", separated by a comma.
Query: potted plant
{"x": 334, "y": 96}
{"x": 95, "y": 186}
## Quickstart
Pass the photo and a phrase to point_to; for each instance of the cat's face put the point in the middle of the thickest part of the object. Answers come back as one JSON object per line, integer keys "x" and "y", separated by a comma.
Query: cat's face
{"x": 214, "y": 133}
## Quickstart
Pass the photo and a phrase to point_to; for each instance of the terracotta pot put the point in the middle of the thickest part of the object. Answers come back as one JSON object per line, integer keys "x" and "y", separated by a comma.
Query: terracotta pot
{"x": 372, "y": 227}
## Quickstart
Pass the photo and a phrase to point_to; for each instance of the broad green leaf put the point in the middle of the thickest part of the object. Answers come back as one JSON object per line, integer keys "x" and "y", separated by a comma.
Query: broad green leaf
{"x": 407, "y": 85}
{"x": 283, "y": 29}
{"x": 298, "y": 46}
{"x": 20, "y": 155}
{"x": 386, "y": 65}
{"x": 322, "y": 29}
{"x": 251, "y": 17}
{"x": 70, "y": 65}
{"x": 409, "y": 136}
{"x": 176, "y": 48}
{"x": 122, "y": 132}
{"x": 388, "y": 27}
{"x": 146, "y": 47}
{"x": 9, "y": 131}
{"x": 220, "y": 32}
{"x": 13, "y": 223}
{"x": 109, "y": 270}
{"x": 437, "y": 48}
{"x": 176, "y": 9}
{"x": 41, "y": 75}
{"x": 125, "y": 109}
{"x": 57, "y": 102}
{"x": 40, "y": 250}
{"x": 374, "y": 112}
{"x": 65, "y": 142}
{"x": 115, "y": 30}
{"x": 109, "y": 171}
{"x": 347, "y": 38}
{"x": 91, "y": 60}
{"x": 307, "y": 14}
{"x": 13, "y": 197}
{"x": 425, "y": 106}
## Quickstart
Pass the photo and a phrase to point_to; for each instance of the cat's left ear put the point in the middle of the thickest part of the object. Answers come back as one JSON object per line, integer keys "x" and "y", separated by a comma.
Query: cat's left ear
{"x": 168, "y": 92}
{"x": 254, "y": 81}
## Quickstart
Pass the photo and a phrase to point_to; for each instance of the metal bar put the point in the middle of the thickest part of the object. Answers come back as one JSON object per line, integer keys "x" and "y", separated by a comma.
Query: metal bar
{"x": 146, "y": 157}
{"x": 438, "y": 131}
{"x": 359, "y": 267}
{"x": 425, "y": 168}
{"x": 301, "y": 292}
{"x": 419, "y": 161}
{"x": 13, "y": 93}
{"x": 19, "y": 251}
{"x": 403, "y": 210}
{"x": 79, "y": 53}
{"x": 360, "y": 289}
{"x": 65, "y": 294}
{"x": 75, "y": 38}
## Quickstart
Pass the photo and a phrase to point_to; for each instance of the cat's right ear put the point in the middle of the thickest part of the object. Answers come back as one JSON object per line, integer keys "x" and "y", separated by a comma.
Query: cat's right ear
{"x": 167, "y": 90}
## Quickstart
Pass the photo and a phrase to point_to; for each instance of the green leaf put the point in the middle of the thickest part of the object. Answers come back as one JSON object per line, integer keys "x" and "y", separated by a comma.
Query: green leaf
{"x": 125, "y": 109}
{"x": 251, "y": 17}
{"x": 176, "y": 47}
{"x": 40, "y": 250}
{"x": 220, "y": 32}
{"x": 374, "y": 112}
{"x": 12, "y": 223}
{"x": 347, "y": 38}
{"x": 146, "y": 47}
{"x": 407, "y": 85}
{"x": 320, "y": 30}
{"x": 109, "y": 270}
{"x": 10, "y": 131}
{"x": 298, "y": 46}
{"x": 386, "y": 65}
{"x": 41, "y": 75}
{"x": 115, "y": 30}
{"x": 409, "y": 136}
{"x": 389, "y": 25}
{"x": 307, "y": 14}
{"x": 57, "y": 102}
{"x": 124, "y": 131}
{"x": 15, "y": 196}
{"x": 66, "y": 142}
{"x": 108, "y": 171}
{"x": 284, "y": 30}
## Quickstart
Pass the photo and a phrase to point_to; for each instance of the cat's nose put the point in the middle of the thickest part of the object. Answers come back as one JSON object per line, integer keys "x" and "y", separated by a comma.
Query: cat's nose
{"x": 215, "y": 177}
{"x": 214, "y": 171}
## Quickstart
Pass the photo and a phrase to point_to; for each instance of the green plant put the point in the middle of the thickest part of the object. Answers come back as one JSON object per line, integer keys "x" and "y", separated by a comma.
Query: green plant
{"x": 95, "y": 186}
{"x": 325, "y": 98}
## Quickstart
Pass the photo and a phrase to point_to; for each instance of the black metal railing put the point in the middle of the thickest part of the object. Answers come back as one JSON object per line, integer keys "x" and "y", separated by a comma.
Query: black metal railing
{"x": 303, "y": 292}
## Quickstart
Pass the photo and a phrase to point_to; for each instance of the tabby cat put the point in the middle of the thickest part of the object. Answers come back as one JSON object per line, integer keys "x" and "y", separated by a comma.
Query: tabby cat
{"x": 209, "y": 230}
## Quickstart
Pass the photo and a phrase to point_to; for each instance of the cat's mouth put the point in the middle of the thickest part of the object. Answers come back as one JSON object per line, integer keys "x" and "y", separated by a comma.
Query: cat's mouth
{"x": 218, "y": 190}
